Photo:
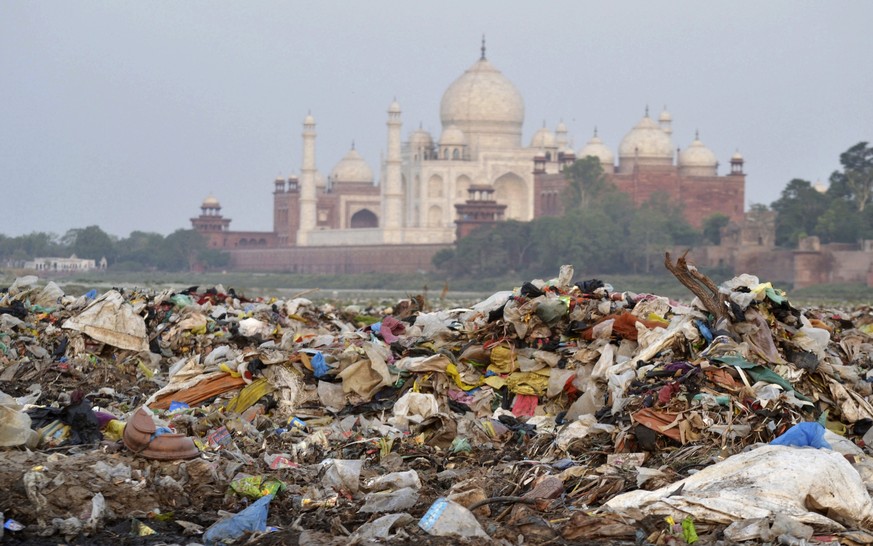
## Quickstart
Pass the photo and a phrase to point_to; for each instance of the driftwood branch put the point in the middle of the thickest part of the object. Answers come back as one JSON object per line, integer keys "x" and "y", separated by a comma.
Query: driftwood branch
{"x": 700, "y": 285}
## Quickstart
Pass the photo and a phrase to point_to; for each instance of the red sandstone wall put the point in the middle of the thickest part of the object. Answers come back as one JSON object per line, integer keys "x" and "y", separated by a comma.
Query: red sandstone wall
{"x": 776, "y": 266}
{"x": 849, "y": 267}
{"x": 337, "y": 260}
{"x": 810, "y": 268}
{"x": 700, "y": 196}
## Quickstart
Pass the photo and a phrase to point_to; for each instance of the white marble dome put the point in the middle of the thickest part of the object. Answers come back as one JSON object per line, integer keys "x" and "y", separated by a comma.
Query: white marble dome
{"x": 646, "y": 144}
{"x": 484, "y": 104}
{"x": 595, "y": 147}
{"x": 420, "y": 138}
{"x": 697, "y": 155}
{"x": 452, "y": 136}
{"x": 543, "y": 138}
{"x": 352, "y": 168}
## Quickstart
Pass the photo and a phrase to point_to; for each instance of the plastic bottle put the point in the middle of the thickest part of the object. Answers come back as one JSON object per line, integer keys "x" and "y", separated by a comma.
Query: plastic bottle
{"x": 447, "y": 518}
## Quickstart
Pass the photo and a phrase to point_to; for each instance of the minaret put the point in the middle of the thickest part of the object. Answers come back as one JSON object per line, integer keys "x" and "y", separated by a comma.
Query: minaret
{"x": 392, "y": 190}
{"x": 665, "y": 121}
{"x": 307, "y": 182}
{"x": 561, "y": 135}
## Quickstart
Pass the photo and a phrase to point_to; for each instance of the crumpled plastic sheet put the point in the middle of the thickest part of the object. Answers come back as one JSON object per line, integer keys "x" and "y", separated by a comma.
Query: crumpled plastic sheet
{"x": 110, "y": 319}
{"x": 759, "y": 483}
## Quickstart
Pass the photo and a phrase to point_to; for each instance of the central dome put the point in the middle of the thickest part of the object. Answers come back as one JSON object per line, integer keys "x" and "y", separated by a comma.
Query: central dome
{"x": 352, "y": 168}
{"x": 486, "y": 106}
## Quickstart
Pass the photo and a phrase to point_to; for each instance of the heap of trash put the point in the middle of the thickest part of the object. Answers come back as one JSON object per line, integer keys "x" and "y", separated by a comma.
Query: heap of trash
{"x": 558, "y": 412}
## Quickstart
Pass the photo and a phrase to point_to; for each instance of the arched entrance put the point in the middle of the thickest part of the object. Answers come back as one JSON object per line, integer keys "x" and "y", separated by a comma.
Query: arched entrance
{"x": 364, "y": 218}
{"x": 511, "y": 190}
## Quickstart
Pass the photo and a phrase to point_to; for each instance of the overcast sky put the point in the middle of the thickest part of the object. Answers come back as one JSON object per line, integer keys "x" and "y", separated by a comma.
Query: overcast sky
{"x": 128, "y": 114}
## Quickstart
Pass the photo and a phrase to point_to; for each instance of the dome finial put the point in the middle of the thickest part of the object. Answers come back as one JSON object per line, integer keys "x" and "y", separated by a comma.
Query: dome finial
{"x": 595, "y": 131}
{"x": 483, "y": 47}
{"x": 647, "y": 110}
{"x": 697, "y": 134}
{"x": 353, "y": 144}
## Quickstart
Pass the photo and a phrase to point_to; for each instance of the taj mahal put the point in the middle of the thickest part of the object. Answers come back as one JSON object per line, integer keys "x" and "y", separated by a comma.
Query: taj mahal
{"x": 432, "y": 190}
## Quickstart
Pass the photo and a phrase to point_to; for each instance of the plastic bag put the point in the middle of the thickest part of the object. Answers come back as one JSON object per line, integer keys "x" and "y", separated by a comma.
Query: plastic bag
{"x": 253, "y": 518}
{"x": 803, "y": 435}
{"x": 14, "y": 423}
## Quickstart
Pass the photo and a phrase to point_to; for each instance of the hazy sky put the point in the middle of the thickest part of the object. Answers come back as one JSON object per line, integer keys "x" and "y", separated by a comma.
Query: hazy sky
{"x": 128, "y": 114}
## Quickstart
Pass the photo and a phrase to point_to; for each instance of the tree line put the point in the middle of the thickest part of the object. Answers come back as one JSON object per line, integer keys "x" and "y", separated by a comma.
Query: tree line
{"x": 841, "y": 214}
{"x": 182, "y": 250}
{"x": 602, "y": 232}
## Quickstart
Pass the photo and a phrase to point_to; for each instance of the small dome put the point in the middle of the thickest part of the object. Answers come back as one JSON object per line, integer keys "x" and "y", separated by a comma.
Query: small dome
{"x": 394, "y": 108}
{"x": 595, "y": 147}
{"x": 543, "y": 138}
{"x": 211, "y": 203}
{"x": 737, "y": 156}
{"x": 309, "y": 120}
{"x": 698, "y": 160}
{"x": 820, "y": 187}
{"x": 352, "y": 168}
{"x": 419, "y": 138}
{"x": 665, "y": 115}
{"x": 561, "y": 128}
{"x": 452, "y": 136}
{"x": 647, "y": 144}
{"x": 697, "y": 155}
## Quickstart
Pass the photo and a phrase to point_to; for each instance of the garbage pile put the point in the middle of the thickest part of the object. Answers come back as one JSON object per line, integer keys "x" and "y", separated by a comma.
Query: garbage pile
{"x": 557, "y": 412}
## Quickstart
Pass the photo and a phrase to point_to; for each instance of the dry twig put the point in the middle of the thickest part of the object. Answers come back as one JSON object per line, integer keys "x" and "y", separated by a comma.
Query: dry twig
{"x": 700, "y": 285}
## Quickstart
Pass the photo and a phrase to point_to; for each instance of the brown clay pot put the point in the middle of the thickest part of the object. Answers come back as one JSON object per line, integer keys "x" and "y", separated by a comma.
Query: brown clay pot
{"x": 137, "y": 437}
{"x": 138, "y": 431}
{"x": 168, "y": 447}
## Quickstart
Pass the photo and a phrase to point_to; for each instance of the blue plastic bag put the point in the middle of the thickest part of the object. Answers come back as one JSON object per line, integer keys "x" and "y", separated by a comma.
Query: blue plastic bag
{"x": 803, "y": 435}
{"x": 253, "y": 518}
{"x": 319, "y": 366}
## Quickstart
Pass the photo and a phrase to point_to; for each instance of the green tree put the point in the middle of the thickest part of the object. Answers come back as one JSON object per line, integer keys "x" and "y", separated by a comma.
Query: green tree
{"x": 798, "y": 210}
{"x": 518, "y": 244}
{"x": 212, "y": 258}
{"x": 94, "y": 243}
{"x": 32, "y": 245}
{"x": 654, "y": 227}
{"x": 712, "y": 226}
{"x": 840, "y": 223}
{"x": 180, "y": 250}
{"x": 586, "y": 182}
{"x": 593, "y": 239}
{"x": 444, "y": 260}
{"x": 482, "y": 253}
{"x": 855, "y": 182}
{"x": 140, "y": 250}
